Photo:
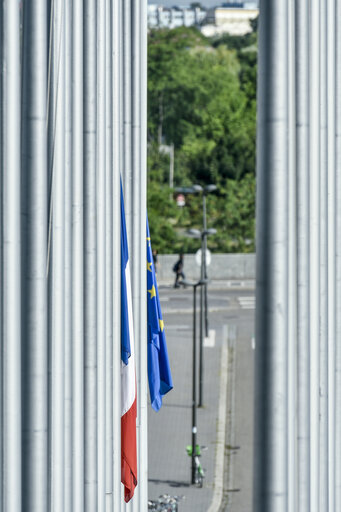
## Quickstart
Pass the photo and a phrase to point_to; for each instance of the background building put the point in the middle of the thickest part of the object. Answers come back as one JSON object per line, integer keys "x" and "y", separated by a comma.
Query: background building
{"x": 232, "y": 17}
{"x": 163, "y": 17}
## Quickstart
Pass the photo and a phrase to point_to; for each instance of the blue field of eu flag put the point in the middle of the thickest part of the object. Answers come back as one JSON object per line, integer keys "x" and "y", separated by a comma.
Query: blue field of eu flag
{"x": 159, "y": 374}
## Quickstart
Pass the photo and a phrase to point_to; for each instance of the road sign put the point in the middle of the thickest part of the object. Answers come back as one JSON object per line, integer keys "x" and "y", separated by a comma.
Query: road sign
{"x": 180, "y": 200}
{"x": 198, "y": 257}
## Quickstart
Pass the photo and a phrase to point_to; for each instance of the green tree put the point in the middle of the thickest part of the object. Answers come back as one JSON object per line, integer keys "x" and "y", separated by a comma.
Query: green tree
{"x": 202, "y": 98}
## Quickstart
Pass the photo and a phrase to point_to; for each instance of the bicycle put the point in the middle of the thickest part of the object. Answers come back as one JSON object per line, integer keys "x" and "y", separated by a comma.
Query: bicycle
{"x": 199, "y": 472}
{"x": 165, "y": 503}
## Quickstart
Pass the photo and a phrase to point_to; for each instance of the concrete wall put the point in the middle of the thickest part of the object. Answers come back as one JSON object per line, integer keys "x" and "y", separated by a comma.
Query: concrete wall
{"x": 223, "y": 266}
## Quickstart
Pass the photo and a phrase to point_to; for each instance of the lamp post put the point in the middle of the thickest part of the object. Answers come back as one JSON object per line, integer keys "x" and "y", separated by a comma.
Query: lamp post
{"x": 195, "y": 233}
{"x": 207, "y": 190}
{"x": 195, "y": 285}
{"x": 198, "y": 189}
{"x": 169, "y": 150}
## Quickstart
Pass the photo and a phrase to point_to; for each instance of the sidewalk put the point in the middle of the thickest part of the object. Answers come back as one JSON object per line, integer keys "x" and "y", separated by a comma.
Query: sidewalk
{"x": 217, "y": 284}
{"x": 169, "y": 430}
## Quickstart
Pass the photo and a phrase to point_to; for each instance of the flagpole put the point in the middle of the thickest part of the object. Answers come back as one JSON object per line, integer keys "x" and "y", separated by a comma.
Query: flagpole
{"x": 101, "y": 248}
{"x": 292, "y": 265}
{"x": 90, "y": 258}
{"x": 77, "y": 259}
{"x": 34, "y": 244}
{"x": 68, "y": 491}
{"x": 127, "y": 117}
{"x": 143, "y": 274}
{"x": 11, "y": 419}
{"x": 314, "y": 236}
{"x": 57, "y": 263}
{"x": 138, "y": 236}
{"x": 323, "y": 292}
{"x": 271, "y": 376}
{"x": 109, "y": 263}
{"x": 126, "y": 101}
{"x": 338, "y": 254}
{"x": 302, "y": 163}
{"x": 2, "y": 104}
{"x": 116, "y": 255}
{"x": 331, "y": 226}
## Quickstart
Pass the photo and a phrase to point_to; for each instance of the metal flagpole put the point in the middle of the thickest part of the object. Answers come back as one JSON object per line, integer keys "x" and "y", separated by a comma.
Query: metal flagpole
{"x": 116, "y": 255}
{"x": 57, "y": 265}
{"x": 143, "y": 275}
{"x": 11, "y": 332}
{"x": 90, "y": 258}
{"x": 338, "y": 254}
{"x": 2, "y": 104}
{"x": 271, "y": 386}
{"x": 314, "y": 252}
{"x": 126, "y": 100}
{"x": 109, "y": 265}
{"x": 139, "y": 51}
{"x": 101, "y": 252}
{"x": 323, "y": 285}
{"x": 302, "y": 165}
{"x": 331, "y": 90}
{"x": 68, "y": 405}
{"x": 292, "y": 265}
{"x": 127, "y": 117}
{"x": 77, "y": 260}
{"x": 34, "y": 253}
{"x": 138, "y": 235}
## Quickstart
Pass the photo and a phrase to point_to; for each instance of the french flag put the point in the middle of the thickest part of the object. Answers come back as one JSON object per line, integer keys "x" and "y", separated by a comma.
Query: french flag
{"x": 128, "y": 377}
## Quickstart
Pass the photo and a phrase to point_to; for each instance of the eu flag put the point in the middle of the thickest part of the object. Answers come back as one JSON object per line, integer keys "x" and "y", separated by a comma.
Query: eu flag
{"x": 159, "y": 374}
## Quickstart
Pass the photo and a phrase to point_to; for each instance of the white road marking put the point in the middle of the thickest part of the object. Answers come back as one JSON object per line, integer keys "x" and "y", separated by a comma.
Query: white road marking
{"x": 221, "y": 426}
{"x": 177, "y": 327}
{"x": 209, "y": 341}
{"x": 247, "y": 302}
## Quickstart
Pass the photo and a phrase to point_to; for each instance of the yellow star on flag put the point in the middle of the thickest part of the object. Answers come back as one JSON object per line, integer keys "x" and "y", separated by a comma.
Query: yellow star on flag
{"x": 149, "y": 266}
{"x": 152, "y": 292}
{"x": 161, "y": 325}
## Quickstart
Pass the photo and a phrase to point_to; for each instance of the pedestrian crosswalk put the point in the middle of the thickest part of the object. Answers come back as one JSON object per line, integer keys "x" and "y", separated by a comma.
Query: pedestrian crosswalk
{"x": 247, "y": 302}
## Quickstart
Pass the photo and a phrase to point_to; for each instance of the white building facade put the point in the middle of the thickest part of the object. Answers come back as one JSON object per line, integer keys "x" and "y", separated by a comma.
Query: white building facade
{"x": 234, "y": 18}
{"x": 162, "y": 17}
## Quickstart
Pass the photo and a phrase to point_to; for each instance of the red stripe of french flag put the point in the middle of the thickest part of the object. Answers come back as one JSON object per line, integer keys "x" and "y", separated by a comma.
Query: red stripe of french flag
{"x": 128, "y": 408}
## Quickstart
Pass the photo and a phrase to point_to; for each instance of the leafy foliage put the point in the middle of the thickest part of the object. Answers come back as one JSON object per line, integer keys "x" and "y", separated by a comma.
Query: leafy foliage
{"x": 202, "y": 99}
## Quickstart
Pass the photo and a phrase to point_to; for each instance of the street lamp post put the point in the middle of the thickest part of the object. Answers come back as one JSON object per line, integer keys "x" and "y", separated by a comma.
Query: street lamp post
{"x": 207, "y": 190}
{"x": 197, "y": 189}
{"x": 195, "y": 233}
{"x": 195, "y": 285}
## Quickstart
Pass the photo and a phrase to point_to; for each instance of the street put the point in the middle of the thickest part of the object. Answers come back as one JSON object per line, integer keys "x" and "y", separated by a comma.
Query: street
{"x": 231, "y": 324}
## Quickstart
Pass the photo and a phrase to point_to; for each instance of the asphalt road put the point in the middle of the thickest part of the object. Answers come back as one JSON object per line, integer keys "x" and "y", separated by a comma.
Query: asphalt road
{"x": 231, "y": 317}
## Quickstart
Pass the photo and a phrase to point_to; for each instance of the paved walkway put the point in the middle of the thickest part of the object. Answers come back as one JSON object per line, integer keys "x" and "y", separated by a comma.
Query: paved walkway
{"x": 170, "y": 429}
